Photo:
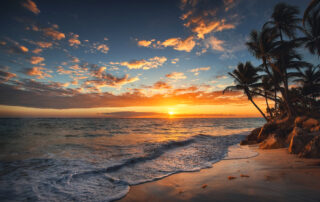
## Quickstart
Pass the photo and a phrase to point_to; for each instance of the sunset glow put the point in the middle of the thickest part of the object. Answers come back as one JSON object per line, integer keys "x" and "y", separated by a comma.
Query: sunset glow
{"x": 57, "y": 60}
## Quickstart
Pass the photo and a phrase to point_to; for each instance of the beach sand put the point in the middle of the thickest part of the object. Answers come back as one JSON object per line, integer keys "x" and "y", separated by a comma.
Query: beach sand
{"x": 273, "y": 175}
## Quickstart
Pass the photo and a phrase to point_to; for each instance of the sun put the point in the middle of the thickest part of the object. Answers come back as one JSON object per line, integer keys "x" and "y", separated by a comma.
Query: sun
{"x": 170, "y": 112}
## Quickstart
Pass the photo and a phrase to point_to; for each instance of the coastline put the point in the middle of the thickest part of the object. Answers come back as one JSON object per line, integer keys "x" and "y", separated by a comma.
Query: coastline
{"x": 272, "y": 175}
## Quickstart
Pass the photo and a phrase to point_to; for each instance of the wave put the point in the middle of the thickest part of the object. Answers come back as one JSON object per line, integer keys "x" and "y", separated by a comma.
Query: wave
{"x": 65, "y": 179}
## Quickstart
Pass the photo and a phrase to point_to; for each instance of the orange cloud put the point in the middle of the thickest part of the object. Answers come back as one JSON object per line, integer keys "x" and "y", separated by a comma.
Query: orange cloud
{"x": 151, "y": 63}
{"x": 44, "y": 44}
{"x": 74, "y": 40}
{"x": 31, "y": 6}
{"x": 103, "y": 48}
{"x": 54, "y": 34}
{"x": 145, "y": 43}
{"x": 108, "y": 80}
{"x": 202, "y": 28}
{"x": 57, "y": 97}
{"x": 36, "y": 60}
{"x": 175, "y": 60}
{"x": 37, "y": 51}
{"x": 176, "y": 75}
{"x": 39, "y": 72}
{"x": 179, "y": 44}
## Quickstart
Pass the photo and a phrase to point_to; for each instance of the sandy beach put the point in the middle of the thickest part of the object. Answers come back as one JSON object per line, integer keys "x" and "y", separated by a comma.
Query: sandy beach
{"x": 273, "y": 175}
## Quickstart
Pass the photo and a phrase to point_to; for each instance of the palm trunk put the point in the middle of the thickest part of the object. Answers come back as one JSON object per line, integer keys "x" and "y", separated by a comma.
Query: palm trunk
{"x": 268, "y": 108}
{"x": 285, "y": 94}
{"x": 250, "y": 98}
{"x": 261, "y": 112}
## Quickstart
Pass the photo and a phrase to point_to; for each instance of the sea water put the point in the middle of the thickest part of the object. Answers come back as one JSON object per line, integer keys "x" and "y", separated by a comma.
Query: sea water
{"x": 99, "y": 159}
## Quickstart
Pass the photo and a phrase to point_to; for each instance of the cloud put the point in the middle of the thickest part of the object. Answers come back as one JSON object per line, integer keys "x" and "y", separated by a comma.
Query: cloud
{"x": 31, "y": 6}
{"x": 108, "y": 80}
{"x": 14, "y": 47}
{"x": 43, "y": 44}
{"x": 179, "y": 44}
{"x": 204, "y": 17}
{"x": 197, "y": 70}
{"x": 55, "y": 96}
{"x": 176, "y": 75}
{"x": 175, "y": 60}
{"x": 215, "y": 43}
{"x": 75, "y": 60}
{"x": 37, "y": 51}
{"x": 39, "y": 72}
{"x": 145, "y": 43}
{"x": 53, "y": 33}
{"x": 161, "y": 85}
{"x": 201, "y": 28}
{"x": 151, "y": 63}
{"x": 229, "y": 4}
{"x": 103, "y": 48}
{"x": 36, "y": 60}
{"x": 221, "y": 77}
{"x": 74, "y": 40}
{"x": 6, "y": 76}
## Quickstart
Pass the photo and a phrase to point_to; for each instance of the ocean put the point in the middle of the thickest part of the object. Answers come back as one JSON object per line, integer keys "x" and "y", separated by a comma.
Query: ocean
{"x": 59, "y": 159}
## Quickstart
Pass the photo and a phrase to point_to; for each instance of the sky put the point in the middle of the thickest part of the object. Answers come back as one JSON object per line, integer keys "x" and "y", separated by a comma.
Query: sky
{"x": 117, "y": 58}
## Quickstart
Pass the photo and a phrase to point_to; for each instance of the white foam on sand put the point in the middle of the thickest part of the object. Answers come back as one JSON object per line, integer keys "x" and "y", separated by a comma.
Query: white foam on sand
{"x": 240, "y": 152}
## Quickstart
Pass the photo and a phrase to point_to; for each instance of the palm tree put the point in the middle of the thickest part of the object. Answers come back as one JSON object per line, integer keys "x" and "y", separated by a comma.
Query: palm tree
{"x": 285, "y": 20}
{"x": 312, "y": 32}
{"x": 246, "y": 78}
{"x": 313, "y": 4}
{"x": 267, "y": 86}
{"x": 310, "y": 80}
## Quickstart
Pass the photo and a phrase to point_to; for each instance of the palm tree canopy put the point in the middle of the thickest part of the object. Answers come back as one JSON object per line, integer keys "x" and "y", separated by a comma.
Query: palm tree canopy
{"x": 312, "y": 32}
{"x": 285, "y": 19}
{"x": 246, "y": 77}
{"x": 312, "y": 5}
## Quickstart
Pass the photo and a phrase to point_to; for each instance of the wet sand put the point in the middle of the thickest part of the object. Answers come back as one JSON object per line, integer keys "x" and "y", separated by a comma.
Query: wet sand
{"x": 273, "y": 175}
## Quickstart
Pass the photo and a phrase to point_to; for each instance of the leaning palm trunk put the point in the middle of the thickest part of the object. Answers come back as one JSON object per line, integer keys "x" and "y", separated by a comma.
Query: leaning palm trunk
{"x": 267, "y": 103}
{"x": 250, "y": 98}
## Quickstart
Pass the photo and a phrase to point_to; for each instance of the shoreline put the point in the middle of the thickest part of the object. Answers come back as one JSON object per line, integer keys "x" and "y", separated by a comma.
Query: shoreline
{"x": 271, "y": 175}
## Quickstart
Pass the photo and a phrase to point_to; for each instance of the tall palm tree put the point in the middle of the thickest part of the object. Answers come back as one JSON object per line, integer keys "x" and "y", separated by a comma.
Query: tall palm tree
{"x": 312, "y": 32}
{"x": 285, "y": 20}
{"x": 246, "y": 78}
{"x": 312, "y": 5}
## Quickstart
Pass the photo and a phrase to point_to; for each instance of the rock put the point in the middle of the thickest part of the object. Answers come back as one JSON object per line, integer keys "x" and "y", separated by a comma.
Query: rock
{"x": 310, "y": 123}
{"x": 299, "y": 140}
{"x": 299, "y": 120}
{"x": 266, "y": 130}
{"x": 246, "y": 142}
{"x": 315, "y": 129}
{"x": 242, "y": 175}
{"x": 312, "y": 149}
{"x": 296, "y": 131}
{"x": 231, "y": 177}
{"x": 251, "y": 138}
{"x": 272, "y": 142}
{"x": 204, "y": 186}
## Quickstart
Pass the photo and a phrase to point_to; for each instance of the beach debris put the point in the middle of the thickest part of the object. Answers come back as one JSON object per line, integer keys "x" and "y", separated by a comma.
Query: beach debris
{"x": 243, "y": 175}
{"x": 231, "y": 177}
{"x": 204, "y": 186}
